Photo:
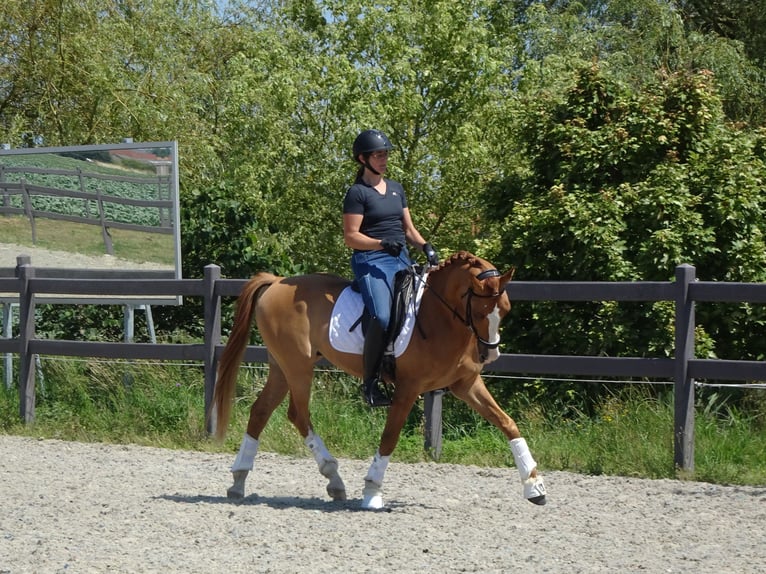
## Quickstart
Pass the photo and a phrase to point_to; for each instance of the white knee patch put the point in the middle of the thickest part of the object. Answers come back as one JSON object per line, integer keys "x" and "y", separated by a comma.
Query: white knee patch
{"x": 246, "y": 455}
{"x": 378, "y": 469}
{"x": 523, "y": 458}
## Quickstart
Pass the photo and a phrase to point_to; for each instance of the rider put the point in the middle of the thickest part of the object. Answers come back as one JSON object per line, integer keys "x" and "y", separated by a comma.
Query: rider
{"x": 377, "y": 226}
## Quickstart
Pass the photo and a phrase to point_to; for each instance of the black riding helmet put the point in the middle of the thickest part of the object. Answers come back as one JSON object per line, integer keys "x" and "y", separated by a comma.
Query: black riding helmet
{"x": 369, "y": 141}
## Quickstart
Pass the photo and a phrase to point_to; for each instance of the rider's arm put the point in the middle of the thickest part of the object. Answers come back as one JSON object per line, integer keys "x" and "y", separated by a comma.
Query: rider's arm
{"x": 410, "y": 232}
{"x": 354, "y": 238}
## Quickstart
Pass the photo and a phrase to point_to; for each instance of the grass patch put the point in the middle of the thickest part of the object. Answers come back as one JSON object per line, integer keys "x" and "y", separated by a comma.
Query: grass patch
{"x": 86, "y": 239}
{"x": 162, "y": 405}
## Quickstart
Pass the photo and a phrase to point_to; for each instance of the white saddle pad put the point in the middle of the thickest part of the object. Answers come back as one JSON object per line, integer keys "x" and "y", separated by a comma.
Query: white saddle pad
{"x": 347, "y": 310}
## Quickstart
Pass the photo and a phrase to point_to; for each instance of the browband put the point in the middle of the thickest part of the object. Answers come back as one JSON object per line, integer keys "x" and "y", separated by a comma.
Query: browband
{"x": 488, "y": 273}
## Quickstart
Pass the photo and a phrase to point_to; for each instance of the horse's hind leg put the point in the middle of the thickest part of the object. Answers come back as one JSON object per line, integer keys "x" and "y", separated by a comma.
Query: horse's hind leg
{"x": 242, "y": 466}
{"x": 328, "y": 466}
{"x": 298, "y": 413}
{"x": 273, "y": 393}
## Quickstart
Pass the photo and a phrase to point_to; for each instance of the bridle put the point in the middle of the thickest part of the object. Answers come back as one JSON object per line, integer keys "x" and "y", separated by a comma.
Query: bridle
{"x": 469, "y": 294}
{"x": 468, "y": 318}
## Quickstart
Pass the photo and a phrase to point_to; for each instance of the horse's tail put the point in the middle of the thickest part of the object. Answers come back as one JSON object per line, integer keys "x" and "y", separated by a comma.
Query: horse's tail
{"x": 231, "y": 359}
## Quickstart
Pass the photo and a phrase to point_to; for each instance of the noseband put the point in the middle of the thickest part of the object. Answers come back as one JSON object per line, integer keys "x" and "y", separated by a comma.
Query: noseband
{"x": 468, "y": 319}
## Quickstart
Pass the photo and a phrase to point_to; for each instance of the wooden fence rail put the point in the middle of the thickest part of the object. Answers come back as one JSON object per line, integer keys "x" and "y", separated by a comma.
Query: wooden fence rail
{"x": 683, "y": 368}
{"x": 79, "y": 201}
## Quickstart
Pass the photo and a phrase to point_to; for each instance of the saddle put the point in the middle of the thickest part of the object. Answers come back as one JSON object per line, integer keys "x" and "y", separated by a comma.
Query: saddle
{"x": 404, "y": 294}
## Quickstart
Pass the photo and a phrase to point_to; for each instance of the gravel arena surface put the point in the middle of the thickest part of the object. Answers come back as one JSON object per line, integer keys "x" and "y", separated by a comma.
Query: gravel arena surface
{"x": 9, "y": 252}
{"x": 77, "y": 507}
{"x": 91, "y": 508}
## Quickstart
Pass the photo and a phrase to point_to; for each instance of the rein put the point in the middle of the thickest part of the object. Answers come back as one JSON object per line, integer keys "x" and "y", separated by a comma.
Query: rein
{"x": 468, "y": 319}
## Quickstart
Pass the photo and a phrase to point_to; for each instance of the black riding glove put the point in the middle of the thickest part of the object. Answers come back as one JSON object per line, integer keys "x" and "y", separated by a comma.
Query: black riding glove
{"x": 392, "y": 246}
{"x": 433, "y": 258}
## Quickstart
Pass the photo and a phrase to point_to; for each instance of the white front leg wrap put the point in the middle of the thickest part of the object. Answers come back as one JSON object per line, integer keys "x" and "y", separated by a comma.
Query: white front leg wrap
{"x": 246, "y": 455}
{"x": 533, "y": 488}
{"x": 523, "y": 458}
{"x": 372, "y": 495}
{"x": 377, "y": 469}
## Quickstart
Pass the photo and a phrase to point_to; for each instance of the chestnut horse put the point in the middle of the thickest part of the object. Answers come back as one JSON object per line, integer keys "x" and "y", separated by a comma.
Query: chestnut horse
{"x": 456, "y": 335}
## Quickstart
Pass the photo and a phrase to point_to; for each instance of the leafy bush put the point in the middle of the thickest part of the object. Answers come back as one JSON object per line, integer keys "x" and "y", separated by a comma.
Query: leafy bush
{"x": 625, "y": 186}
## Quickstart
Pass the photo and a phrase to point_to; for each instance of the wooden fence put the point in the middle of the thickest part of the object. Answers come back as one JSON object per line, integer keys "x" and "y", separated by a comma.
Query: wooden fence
{"x": 683, "y": 368}
{"x": 81, "y": 201}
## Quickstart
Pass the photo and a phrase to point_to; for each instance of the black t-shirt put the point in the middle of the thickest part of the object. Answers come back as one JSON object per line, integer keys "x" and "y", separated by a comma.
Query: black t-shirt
{"x": 382, "y": 214}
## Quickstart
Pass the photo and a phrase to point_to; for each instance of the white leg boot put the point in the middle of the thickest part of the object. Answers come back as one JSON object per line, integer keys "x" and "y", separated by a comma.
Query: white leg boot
{"x": 243, "y": 464}
{"x": 372, "y": 495}
{"x": 533, "y": 487}
{"x": 328, "y": 466}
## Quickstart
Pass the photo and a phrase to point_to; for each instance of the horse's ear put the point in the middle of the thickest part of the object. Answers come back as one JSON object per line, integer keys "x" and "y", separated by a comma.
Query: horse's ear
{"x": 505, "y": 279}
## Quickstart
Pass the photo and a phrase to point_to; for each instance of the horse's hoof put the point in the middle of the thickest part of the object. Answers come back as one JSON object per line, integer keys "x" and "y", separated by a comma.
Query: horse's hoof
{"x": 237, "y": 490}
{"x": 234, "y": 494}
{"x": 372, "y": 496}
{"x": 374, "y": 502}
{"x": 336, "y": 493}
{"x": 534, "y": 490}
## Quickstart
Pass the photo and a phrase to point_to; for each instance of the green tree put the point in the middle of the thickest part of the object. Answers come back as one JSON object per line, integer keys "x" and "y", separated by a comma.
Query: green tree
{"x": 741, "y": 20}
{"x": 81, "y": 72}
{"x": 309, "y": 77}
{"x": 624, "y": 186}
{"x": 266, "y": 100}
{"x": 634, "y": 39}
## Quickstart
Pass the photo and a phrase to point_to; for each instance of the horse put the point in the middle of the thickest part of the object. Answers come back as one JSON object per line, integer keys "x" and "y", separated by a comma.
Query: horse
{"x": 457, "y": 334}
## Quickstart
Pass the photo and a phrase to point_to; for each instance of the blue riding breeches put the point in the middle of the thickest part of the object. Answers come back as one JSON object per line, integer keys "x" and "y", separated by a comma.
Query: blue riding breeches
{"x": 375, "y": 272}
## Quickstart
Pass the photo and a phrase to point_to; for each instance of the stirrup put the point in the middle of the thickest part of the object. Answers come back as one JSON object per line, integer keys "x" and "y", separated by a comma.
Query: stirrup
{"x": 374, "y": 395}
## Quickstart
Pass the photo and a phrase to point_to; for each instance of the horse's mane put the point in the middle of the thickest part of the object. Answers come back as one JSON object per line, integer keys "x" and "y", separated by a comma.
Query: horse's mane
{"x": 460, "y": 257}
{"x": 490, "y": 285}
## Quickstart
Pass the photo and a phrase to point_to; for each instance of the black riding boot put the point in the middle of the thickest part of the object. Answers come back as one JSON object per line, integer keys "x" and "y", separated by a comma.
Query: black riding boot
{"x": 372, "y": 358}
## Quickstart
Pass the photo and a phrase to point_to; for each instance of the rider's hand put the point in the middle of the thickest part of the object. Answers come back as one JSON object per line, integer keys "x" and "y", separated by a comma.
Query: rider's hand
{"x": 392, "y": 246}
{"x": 433, "y": 258}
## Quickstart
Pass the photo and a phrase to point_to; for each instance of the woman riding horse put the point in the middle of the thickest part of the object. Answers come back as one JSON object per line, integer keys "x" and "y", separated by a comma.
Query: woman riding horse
{"x": 376, "y": 225}
{"x": 457, "y": 334}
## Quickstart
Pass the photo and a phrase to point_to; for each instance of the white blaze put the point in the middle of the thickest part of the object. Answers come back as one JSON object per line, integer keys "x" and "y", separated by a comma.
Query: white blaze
{"x": 494, "y": 333}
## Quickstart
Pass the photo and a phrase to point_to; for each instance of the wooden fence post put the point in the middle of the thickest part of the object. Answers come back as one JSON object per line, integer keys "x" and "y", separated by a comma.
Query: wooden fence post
{"x": 8, "y": 334}
{"x": 29, "y": 210}
{"x": 212, "y": 312}
{"x": 683, "y": 436}
{"x": 432, "y": 410}
{"x": 25, "y": 272}
{"x": 107, "y": 237}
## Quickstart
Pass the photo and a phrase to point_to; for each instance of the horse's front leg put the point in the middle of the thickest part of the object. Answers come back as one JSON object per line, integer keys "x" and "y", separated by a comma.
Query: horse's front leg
{"x": 372, "y": 494}
{"x": 533, "y": 485}
{"x": 478, "y": 397}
